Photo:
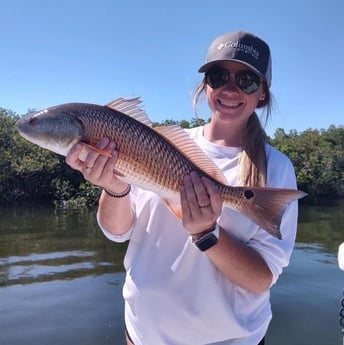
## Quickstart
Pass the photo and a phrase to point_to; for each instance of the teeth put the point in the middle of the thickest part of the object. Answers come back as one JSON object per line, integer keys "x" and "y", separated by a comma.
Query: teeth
{"x": 229, "y": 103}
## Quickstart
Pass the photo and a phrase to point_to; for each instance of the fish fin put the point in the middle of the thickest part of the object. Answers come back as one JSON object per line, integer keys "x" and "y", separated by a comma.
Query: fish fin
{"x": 102, "y": 152}
{"x": 119, "y": 175}
{"x": 181, "y": 140}
{"x": 175, "y": 208}
{"x": 265, "y": 206}
{"x": 129, "y": 106}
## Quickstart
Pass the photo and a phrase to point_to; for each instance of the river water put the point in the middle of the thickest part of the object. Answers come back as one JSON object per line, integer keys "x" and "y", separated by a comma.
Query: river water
{"x": 61, "y": 280}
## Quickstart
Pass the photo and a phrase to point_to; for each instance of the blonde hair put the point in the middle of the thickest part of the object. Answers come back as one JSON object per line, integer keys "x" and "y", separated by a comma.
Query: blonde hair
{"x": 253, "y": 163}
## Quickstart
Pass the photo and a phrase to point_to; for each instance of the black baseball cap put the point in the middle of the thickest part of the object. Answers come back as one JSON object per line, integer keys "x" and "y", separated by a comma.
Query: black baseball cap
{"x": 242, "y": 47}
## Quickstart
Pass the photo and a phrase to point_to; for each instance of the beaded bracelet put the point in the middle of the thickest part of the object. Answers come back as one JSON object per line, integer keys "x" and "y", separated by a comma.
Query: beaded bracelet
{"x": 195, "y": 237}
{"x": 119, "y": 195}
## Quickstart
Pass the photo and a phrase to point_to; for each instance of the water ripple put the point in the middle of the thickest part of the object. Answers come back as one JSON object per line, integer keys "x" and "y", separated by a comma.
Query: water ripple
{"x": 33, "y": 268}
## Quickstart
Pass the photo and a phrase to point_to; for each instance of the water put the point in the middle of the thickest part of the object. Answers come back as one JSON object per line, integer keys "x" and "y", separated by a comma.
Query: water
{"x": 61, "y": 280}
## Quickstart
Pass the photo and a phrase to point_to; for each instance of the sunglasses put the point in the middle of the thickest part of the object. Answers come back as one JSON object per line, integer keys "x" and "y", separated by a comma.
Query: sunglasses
{"x": 246, "y": 81}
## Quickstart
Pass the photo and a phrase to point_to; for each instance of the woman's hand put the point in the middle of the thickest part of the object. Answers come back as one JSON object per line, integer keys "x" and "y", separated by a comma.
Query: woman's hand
{"x": 97, "y": 169}
{"x": 201, "y": 203}
{"x": 242, "y": 264}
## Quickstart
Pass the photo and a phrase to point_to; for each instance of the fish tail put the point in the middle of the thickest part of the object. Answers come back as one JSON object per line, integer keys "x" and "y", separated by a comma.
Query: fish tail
{"x": 265, "y": 206}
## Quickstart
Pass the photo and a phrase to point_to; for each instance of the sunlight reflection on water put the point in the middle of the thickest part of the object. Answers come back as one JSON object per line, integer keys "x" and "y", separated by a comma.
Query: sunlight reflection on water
{"x": 21, "y": 269}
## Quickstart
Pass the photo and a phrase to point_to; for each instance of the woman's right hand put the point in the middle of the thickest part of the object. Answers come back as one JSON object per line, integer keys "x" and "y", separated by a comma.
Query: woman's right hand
{"x": 97, "y": 168}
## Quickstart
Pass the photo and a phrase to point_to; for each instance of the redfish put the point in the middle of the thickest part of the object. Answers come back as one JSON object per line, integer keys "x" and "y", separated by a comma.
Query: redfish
{"x": 155, "y": 159}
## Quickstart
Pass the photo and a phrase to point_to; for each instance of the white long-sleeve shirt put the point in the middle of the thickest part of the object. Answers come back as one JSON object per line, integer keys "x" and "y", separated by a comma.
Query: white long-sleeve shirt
{"x": 173, "y": 294}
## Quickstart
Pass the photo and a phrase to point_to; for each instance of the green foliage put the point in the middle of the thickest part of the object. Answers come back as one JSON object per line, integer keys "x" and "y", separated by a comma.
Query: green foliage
{"x": 183, "y": 123}
{"x": 67, "y": 196}
{"x": 318, "y": 158}
{"x": 31, "y": 174}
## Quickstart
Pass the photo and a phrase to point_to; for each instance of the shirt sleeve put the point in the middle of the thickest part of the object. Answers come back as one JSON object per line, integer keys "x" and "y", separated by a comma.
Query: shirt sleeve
{"x": 275, "y": 252}
{"x": 127, "y": 235}
{"x": 112, "y": 237}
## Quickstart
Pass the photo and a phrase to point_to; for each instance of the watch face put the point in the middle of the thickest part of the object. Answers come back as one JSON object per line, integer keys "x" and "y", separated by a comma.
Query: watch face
{"x": 206, "y": 242}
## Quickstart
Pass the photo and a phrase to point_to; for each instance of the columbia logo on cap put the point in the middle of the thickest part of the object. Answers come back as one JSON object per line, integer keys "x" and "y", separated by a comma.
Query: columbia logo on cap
{"x": 240, "y": 47}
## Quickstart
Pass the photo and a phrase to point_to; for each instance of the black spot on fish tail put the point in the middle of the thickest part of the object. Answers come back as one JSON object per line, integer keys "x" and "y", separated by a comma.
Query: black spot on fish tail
{"x": 248, "y": 194}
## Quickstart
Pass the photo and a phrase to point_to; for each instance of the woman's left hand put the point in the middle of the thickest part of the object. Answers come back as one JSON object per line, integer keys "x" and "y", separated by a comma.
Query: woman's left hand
{"x": 201, "y": 203}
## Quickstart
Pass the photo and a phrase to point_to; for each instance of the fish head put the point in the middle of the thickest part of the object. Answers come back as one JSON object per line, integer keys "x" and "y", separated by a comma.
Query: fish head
{"x": 56, "y": 129}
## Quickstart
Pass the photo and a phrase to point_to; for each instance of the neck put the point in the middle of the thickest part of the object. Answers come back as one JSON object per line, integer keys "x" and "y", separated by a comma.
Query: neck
{"x": 223, "y": 135}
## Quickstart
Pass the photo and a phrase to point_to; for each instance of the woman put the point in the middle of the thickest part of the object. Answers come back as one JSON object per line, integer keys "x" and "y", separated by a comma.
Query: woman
{"x": 204, "y": 280}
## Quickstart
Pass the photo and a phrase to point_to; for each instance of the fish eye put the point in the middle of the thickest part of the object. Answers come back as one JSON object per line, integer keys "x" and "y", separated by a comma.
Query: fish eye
{"x": 32, "y": 120}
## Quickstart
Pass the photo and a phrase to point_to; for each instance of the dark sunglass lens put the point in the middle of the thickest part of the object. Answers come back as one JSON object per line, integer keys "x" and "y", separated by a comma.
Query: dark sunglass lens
{"x": 216, "y": 77}
{"x": 247, "y": 81}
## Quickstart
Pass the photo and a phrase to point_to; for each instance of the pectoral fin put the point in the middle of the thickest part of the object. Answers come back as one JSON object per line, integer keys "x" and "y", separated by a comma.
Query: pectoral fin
{"x": 100, "y": 151}
{"x": 175, "y": 208}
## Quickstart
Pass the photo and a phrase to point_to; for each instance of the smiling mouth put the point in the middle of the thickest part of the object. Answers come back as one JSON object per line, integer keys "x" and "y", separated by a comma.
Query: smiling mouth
{"x": 229, "y": 104}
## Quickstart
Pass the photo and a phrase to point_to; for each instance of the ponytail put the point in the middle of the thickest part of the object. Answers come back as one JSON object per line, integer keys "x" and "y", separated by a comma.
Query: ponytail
{"x": 253, "y": 157}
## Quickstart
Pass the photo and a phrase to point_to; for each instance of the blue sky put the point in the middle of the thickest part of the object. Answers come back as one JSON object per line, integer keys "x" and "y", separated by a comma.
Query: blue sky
{"x": 93, "y": 51}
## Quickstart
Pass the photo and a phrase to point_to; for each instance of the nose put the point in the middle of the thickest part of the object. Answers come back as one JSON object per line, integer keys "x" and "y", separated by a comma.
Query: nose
{"x": 231, "y": 84}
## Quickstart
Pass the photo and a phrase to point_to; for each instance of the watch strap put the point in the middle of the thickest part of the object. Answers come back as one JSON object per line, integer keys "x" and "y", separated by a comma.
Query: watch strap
{"x": 207, "y": 239}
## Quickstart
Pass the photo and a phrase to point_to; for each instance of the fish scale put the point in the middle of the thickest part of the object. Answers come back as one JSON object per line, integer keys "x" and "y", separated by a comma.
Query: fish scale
{"x": 155, "y": 159}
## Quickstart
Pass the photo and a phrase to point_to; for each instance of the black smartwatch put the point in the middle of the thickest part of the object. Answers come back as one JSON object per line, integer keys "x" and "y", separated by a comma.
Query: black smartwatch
{"x": 206, "y": 239}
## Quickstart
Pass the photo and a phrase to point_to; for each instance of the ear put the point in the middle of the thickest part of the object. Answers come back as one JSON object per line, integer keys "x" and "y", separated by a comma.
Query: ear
{"x": 263, "y": 99}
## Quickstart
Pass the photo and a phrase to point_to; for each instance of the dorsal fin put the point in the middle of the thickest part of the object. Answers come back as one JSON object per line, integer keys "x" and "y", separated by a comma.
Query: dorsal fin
{"x": 130, "y": 107}
{"x": 180, "y": 139}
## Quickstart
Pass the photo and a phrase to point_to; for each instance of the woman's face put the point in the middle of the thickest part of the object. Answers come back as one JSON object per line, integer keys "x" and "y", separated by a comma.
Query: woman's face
{"x": 229, "y": 103}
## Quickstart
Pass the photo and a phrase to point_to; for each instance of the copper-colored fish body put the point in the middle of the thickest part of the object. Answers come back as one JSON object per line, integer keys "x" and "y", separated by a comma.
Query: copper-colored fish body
{"x": 155, "y": 159}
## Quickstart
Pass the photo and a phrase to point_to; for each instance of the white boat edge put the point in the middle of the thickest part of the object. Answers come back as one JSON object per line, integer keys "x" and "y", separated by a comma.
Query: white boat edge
{"x": 341, "y": 256}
